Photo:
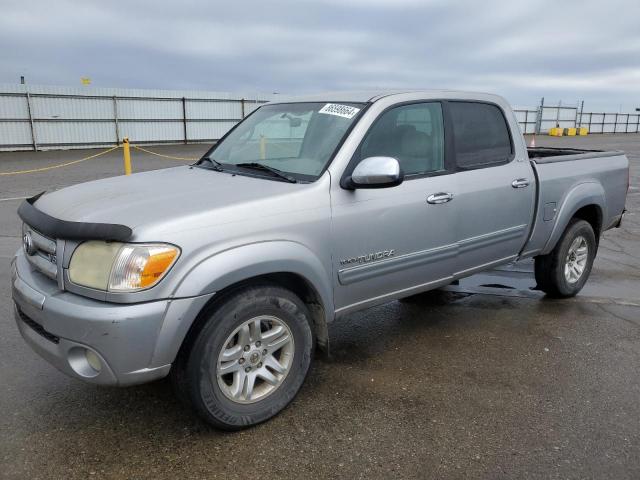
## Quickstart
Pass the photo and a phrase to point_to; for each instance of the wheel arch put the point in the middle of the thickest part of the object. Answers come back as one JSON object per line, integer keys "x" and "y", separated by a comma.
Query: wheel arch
{"x": 287, "y": 264}
{"x": 295, "y": 283}
{"x": 592, "y": 214}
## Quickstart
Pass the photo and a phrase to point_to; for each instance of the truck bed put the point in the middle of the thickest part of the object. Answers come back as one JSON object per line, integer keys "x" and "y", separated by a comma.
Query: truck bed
{"x": 552, "y": 155}
{"x": 568, "y": 178}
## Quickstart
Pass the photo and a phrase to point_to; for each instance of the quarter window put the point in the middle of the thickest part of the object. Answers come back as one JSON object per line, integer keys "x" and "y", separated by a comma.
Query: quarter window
{"x": 412, "y": 134}
{"x": 480, "y": 134}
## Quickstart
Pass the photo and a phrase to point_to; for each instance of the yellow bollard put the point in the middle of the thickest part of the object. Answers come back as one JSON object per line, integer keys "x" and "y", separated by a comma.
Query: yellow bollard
{"x": 127, "y": 156}
{"x": 263, "y": 147}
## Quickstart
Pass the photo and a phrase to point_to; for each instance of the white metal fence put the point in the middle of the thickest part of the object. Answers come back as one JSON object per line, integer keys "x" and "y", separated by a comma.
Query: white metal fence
{"x": 58, "y": 117}
{"x": 544, "y": 117}
{"x": 39, "y": 117}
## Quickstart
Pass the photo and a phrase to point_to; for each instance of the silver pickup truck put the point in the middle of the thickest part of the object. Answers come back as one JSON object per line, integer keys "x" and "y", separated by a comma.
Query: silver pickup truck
{"x": 225, "y": 273}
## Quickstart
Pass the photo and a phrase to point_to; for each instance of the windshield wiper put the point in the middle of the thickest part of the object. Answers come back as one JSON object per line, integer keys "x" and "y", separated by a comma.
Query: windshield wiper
{"x": 215, "y": 165}
{"x": 267, "y": 168}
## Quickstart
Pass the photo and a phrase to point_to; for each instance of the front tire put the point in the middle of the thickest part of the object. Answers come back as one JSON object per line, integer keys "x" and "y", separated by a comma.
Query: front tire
{"x": 249, "y": 358}
{"x": 563, "y": 272}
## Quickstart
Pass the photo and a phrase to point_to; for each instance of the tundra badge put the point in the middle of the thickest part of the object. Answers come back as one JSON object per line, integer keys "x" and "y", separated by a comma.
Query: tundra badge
{"x": 369, "y": 257}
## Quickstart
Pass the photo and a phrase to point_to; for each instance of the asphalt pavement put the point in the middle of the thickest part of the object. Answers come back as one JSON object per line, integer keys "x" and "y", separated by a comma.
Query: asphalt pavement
{"x": 486, "y": 380}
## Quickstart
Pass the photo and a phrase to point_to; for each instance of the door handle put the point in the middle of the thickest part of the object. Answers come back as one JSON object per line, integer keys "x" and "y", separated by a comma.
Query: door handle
{"x": 520, "y": 183}
{"x": 441, "y": 197}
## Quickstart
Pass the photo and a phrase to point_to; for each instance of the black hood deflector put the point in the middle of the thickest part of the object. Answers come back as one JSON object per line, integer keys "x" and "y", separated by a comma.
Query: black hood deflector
{"x": 63, "y": 229}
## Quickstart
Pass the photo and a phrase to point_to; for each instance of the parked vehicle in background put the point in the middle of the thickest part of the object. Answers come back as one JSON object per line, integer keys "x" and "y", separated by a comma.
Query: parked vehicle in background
{"x": 225, "y": 273}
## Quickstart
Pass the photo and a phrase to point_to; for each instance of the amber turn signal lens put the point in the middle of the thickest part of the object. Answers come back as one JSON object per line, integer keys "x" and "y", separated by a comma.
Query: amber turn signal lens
{"x": 140, "y": 266}
{"x": 157, "y": 265}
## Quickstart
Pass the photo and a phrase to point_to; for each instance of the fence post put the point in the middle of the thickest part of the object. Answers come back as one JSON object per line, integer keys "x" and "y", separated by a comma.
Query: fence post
{"x": 539, "y": 117}
{"x": 184, "y": 118}
{"x": 626, "y": 127}
{"x": 126, "y": 153}
{"x": 581, "y": 110}
{"x": 242, "y": 107}
{"x": 263, "y": 147}
{"x": 33, "y": 131}
{"x": 115, "y": 119}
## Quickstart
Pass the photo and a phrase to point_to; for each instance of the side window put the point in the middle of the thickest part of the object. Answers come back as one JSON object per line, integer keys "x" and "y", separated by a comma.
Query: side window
{"x": 412, "y": 134}
{"x": 480, "y": 134}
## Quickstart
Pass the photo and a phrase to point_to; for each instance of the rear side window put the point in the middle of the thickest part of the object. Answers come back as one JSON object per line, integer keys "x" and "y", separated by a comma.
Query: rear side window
{"x": 480, "y": 134}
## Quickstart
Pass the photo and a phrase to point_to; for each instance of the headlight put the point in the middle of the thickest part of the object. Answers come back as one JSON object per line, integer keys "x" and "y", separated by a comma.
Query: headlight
{"x": 121, "y": 267}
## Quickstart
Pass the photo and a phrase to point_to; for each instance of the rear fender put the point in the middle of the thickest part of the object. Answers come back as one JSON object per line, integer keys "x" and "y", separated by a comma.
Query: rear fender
{"x": 581, "y": 195}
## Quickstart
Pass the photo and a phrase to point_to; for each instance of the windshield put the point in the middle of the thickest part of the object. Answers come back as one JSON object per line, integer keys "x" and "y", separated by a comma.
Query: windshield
{"x": 295, "y": 138}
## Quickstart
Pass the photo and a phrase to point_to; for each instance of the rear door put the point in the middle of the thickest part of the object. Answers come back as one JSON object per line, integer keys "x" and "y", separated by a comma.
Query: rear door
{"x": 495, "y": 187}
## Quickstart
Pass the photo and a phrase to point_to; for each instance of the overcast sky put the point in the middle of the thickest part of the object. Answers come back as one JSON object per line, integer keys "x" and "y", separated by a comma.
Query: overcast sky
{"x": 560, "y": 49}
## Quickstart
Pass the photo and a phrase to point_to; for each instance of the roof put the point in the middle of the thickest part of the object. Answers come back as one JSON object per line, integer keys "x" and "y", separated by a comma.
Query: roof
{"x": 358, "y": 96}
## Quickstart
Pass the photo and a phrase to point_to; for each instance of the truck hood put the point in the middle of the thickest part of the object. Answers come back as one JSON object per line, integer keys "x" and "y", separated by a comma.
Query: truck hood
{"x": 169, "y": 197}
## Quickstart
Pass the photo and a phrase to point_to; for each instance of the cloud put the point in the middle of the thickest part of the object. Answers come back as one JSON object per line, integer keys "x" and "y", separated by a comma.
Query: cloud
{"x": 523, "y": 50}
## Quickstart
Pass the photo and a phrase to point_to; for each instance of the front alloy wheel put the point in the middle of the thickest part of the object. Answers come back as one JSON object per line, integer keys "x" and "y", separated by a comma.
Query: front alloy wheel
{"x": 248, "y": 358}
{"x": 255, "y": 360}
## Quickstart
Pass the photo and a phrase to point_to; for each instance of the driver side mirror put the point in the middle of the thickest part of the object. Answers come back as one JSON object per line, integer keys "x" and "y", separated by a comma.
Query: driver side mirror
{"x": 375, "y": 172}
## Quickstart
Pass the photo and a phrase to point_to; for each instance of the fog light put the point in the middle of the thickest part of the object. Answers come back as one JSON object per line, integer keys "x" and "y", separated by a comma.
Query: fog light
{"x": 93, "y": 360}
{"x": 84, "y": 362}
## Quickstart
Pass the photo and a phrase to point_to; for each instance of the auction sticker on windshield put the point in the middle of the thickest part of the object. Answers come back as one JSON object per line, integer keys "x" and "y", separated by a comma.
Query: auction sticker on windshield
{"x": 345, "y": 111}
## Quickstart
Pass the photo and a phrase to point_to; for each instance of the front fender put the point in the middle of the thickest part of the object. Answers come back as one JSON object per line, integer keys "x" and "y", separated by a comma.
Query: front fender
{"x": 228, "y": 267}
{"x": 581, "y": 195}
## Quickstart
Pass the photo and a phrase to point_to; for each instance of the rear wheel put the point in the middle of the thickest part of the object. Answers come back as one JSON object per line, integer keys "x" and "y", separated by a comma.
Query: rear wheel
{"x": 565, "y": 270}
{"x": 249, "y": 359}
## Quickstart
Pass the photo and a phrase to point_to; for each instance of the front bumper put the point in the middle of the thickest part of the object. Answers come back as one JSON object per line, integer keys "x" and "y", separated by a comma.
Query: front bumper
{"x": 135, "y": 343}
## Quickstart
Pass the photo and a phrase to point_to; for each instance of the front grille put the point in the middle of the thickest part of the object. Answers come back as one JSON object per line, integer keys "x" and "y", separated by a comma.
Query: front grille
{"x": 43, "y": 252}
{"x": 39, "y": 329}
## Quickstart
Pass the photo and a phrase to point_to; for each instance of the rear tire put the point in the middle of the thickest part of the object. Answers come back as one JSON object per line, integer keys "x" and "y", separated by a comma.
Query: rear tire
{"x": 249, "y": 358}
{"x": 564, "y": 271}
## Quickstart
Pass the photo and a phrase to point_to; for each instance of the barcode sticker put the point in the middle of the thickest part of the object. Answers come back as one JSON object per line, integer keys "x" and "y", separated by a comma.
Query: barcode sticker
{"x": 344, "y": 111}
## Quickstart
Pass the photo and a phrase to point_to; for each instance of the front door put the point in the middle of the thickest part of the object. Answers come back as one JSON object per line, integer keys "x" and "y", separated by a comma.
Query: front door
{"x": 391, "y": 242}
